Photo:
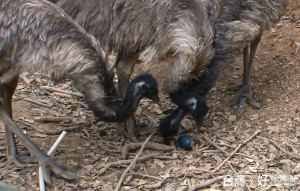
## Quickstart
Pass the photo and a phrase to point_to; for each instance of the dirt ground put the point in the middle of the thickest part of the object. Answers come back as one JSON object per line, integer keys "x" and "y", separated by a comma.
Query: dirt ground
{"x": 270, "y": 157}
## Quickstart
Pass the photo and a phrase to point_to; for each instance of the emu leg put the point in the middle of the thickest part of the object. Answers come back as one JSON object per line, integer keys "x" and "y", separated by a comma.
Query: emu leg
{"x": 124, "y": 70}
{"x": 7, "y": 91}
{"x": 44, "y": 159}
{"x": 245, "y": 92}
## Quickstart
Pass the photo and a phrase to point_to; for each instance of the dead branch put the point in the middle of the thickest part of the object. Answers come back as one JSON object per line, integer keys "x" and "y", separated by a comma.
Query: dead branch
{"x": 153, "y": 186}
{"x": 125, "y": 162}
{"x": 214, "y": 144}
{"x": 52, "y": 119}
{"x": 206, "y": 183}
{"x": 37, "y": 102}
{"x": 47, "y": 132}
{"x": 61, "y": 91}
{"x": 150, "y": 145}
{"x": 183, "y": 188}
{"x": 147, "y": 176}
{"x": 282, "y": 149}
{"x": 62, "y": 95}
{"x": 25, "y": 79}
{"x": 238, "y": 147}
{"x": 133, "y": 162}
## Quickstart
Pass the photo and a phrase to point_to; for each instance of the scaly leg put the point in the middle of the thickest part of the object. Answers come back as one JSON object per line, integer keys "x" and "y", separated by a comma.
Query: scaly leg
{"x": 245, "y": 92}
{"x": 7, "y": 91}
{"x": 43, "y": 158}
{"x": 125, "y": 68}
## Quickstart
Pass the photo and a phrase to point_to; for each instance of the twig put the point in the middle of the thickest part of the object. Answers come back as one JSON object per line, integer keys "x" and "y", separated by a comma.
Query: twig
{"x": 238, "y": 147}
{"x": 37, "y": 102}
{"x": 283, "y": 150}
{"x": 153, "y": 186}
{"x": 147, "y": 176}
{"x": 62, "y": 95}
{"x": 61, "y": 91}
{"x": 134, "y": 161}
{"x": 125, "y": 162}
{"x": 25, "y": 79}
{"x": 51, "y": 119}
{"x": 149, "y": 145}
{"x": 206, "y": 183}
{"x": 183, "y": 188}
{"x": 215, "y": 145}
{"x": 47, "y": 132}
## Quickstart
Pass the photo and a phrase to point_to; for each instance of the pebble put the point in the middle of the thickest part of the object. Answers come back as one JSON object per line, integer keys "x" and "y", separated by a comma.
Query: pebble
{"x": 298, "y": 134}
{"x": 216, "y": 124}
{"x": 232, "y": 118}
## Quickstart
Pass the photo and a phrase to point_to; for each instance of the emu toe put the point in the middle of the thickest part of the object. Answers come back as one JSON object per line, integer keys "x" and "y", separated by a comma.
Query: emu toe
{"x": 244, "y": 93}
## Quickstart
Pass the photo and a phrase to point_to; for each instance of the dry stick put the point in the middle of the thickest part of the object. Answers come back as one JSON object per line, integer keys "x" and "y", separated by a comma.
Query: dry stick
{"x": 47, "y": 132}
{"x": 62, "y": 95}
{"x": 37, "y": 102}
{"x": 238, "y": 147}
{"x": 215, "y": 145}
{"x": 51, "y": 119}
{"x": 25, "y": 79}
{"x": 153, "y": 186}
{"x": 206, "y": 183}
{"x": 134, "y": 161}
{"x": 61, "y": 91}
{"x": 149, "y": 145}
{"x": 283, "y": 150}
{"x": 125, "y": 162}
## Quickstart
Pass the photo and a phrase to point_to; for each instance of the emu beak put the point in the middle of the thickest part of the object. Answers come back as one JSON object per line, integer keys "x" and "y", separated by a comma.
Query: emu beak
{"x": 154, "y": 97}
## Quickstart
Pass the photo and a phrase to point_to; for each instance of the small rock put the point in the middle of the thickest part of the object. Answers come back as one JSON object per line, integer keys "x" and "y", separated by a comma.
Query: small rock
{"x": 274, "y": 129}
{"x": 232, "y": 118}
{"x": 298, "y": 134}
{"x": 227, "y": 113}
{"x": 216, "y": 124}
{"x": 247, "y": 125}
{"x": 254, "y": 117}
{"x": 219, "y": 114}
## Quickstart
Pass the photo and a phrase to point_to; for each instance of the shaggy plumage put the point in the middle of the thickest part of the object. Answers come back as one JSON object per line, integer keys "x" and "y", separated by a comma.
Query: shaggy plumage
{"x": 149, "y": 30}
{"x": 37, "y": 35}
{"x": 237, "y": 25}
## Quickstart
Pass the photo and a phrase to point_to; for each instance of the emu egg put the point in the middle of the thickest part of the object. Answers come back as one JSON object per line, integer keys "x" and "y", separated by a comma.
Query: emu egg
{"x": 185, "y": 141}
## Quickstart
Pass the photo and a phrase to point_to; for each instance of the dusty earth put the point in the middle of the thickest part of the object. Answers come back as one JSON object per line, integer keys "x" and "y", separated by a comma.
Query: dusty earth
{"x": 270, "y": 157}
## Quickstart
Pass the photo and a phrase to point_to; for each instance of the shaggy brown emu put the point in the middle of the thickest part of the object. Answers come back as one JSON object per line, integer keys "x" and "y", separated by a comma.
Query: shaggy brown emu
{"x": 238, "y": 25}
{"x": 37, "y": 35}
{"x": 149, "y": 30}
{"x": 258, "y": 14}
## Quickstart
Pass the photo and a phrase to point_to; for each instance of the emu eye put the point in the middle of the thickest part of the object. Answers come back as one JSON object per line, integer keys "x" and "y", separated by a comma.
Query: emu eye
{"x": 144, "y": 86}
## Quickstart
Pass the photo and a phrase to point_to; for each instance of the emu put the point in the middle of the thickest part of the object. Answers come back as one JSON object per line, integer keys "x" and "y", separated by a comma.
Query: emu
{"x": 150, "y": 30}
{"x": 37, "y": 35}
{"x": 238, "y": 27}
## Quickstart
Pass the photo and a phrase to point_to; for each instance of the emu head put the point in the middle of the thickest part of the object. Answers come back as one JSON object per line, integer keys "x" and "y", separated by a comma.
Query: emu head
{"x": 144, "y": 85}
{"x": 194, "y": 103}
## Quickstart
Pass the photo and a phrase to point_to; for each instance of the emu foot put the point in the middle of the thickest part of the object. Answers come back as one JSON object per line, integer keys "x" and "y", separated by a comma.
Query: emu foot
{"x": 13, "y": 159}
{"x": 45, "y": 160}
{"x": 244, "y": 93}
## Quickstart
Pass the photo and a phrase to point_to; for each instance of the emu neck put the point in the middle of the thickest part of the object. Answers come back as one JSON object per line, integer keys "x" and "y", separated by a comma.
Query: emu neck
{"x": 129, "y": 105}
{"x": 169, "y": 126}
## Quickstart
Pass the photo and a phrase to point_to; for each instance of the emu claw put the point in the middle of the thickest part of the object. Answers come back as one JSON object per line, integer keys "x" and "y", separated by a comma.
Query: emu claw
{"x": 16, "y": 162}
{"x": 45, "y": 161}
{"x": 244, "y": 93}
